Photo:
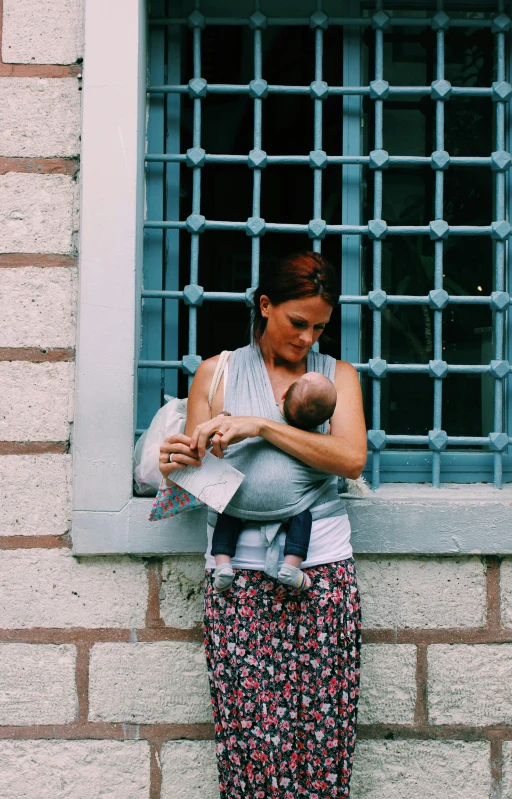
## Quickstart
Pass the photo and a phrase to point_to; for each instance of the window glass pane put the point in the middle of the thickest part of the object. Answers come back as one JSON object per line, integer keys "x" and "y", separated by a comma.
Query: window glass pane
{"x": 408, "y": 261}
{"x": 286, "y": 189}
{"x": 224, "y": 193}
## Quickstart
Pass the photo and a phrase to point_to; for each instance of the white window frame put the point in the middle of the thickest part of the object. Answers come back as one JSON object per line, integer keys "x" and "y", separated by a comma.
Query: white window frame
{"x": 106, "y": 516}
{"x": 107, "y": 519}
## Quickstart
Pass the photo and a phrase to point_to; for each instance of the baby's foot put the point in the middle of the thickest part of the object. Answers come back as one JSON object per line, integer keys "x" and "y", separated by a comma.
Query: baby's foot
{"x": 294, "y": 577}
{"x": 223, "y": 577}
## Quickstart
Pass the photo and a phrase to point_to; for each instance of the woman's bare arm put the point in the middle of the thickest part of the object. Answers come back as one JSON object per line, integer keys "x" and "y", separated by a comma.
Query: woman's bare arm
{"x": 198, "y": 411}
{"x": 344, "y": 451}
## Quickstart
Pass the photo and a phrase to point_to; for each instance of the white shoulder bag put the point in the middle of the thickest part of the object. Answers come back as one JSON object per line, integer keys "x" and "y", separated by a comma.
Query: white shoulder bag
{"x": 170, "y": 420}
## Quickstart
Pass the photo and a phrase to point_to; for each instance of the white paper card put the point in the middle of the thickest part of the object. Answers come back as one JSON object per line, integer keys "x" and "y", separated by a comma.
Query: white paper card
{"x": 214, "y": 482}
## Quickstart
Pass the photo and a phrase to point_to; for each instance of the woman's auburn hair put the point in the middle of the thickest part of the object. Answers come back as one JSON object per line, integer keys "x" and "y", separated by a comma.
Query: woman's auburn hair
{"x": 301, "y": 274}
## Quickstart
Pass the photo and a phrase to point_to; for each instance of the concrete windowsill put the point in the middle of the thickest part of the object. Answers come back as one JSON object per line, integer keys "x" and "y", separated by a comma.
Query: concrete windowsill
{"x": 399, "y": 518}
{"x": 416, "y": 518}
{"x": 451, "y": 492}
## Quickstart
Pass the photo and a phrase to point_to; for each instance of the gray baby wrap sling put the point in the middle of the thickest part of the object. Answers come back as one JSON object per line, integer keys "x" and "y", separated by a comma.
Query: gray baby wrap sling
{"x": 276, "y": 485}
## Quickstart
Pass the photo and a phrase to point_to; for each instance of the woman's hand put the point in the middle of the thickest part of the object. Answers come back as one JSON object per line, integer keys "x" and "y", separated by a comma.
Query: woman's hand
{"x": 221, "y": 431}
{"x": 182, "y": 455}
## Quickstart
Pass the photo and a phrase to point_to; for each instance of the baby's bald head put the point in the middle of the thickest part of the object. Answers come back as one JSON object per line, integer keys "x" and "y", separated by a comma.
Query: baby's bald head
{"x": 310, "y": 401}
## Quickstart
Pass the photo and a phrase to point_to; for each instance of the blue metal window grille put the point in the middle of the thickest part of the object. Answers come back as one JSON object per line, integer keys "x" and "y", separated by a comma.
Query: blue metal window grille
{"x": 436, "y": 455}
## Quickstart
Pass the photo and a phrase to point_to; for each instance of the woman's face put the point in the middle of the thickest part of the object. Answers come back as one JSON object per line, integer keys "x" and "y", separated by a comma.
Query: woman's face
{"x": 294, "y": 326}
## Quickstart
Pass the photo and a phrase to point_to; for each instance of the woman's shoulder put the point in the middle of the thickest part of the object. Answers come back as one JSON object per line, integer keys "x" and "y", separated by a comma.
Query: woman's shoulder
{"x": 345, "y": 369}
{"x": 206, "y": 369}
{"x": 203, "y": 378}
{"x": 346, "y": 379}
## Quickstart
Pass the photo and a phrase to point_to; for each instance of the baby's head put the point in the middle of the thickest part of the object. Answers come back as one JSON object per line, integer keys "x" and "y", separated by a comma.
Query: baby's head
{"x": 310, "y": 401}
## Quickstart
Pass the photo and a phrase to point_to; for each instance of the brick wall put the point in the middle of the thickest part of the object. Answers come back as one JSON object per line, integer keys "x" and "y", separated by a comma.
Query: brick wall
{"x": 102, "y": 677}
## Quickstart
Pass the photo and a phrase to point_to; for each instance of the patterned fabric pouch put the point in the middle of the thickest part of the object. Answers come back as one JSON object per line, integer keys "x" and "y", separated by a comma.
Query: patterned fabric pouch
{"x": 172, "y": 500}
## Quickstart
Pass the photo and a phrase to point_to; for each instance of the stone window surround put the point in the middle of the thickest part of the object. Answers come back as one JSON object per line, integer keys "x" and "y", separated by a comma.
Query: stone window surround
{"x": 398, "y": 518}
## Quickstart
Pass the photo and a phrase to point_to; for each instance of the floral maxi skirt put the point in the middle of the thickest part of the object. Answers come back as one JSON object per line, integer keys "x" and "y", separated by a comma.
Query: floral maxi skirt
{"x": 284, "y": 678}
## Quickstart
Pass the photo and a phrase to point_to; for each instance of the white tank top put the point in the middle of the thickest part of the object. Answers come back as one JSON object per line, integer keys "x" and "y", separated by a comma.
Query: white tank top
{"x": 330, "y": 541}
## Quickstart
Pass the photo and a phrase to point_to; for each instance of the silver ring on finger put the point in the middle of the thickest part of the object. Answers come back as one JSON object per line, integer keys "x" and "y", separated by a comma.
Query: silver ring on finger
{"x": 170, "y": 457}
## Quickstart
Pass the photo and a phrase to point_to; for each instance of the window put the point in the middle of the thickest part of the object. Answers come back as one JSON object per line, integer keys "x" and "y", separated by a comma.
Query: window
{"x": 383, "y": 144}
{"x": 393, "y": 318}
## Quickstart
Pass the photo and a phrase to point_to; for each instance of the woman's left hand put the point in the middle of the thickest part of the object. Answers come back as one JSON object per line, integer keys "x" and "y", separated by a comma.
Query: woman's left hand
{"x": 221, "y": 431}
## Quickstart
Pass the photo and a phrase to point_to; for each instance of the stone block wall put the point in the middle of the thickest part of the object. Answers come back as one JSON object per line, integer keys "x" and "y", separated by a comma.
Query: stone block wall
{"x": 103, "y": 685}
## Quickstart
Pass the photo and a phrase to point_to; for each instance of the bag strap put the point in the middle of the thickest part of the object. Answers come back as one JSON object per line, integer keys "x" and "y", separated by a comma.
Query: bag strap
{"x": 217, "y": 375}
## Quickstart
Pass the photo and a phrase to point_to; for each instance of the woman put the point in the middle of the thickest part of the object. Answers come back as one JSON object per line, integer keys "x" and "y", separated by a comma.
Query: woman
{"x": 283, "y": 665}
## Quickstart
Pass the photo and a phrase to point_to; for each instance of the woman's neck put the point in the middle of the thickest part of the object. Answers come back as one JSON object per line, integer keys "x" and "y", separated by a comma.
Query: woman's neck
{"x": 274, "y": 361}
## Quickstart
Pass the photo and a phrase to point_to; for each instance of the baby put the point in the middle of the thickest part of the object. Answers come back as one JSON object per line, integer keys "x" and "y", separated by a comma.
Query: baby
{"x": 309, "y": 402}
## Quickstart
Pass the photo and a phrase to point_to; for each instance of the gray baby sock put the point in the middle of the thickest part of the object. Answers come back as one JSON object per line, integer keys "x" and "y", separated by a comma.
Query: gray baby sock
{"x": 223, "y": 576}
{"x": 294, "y": 577}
